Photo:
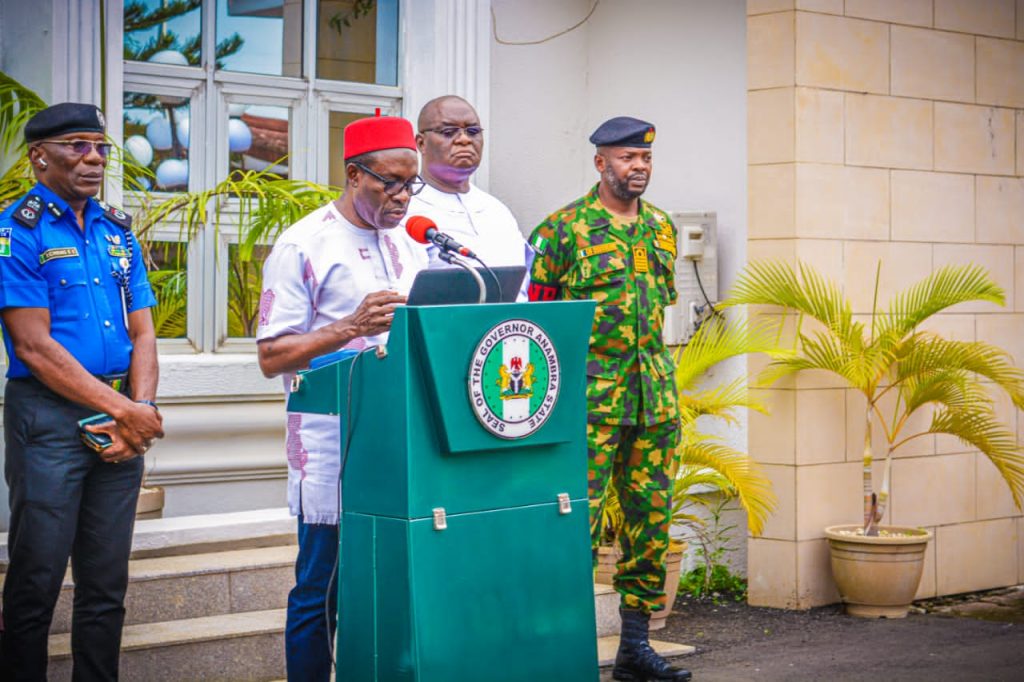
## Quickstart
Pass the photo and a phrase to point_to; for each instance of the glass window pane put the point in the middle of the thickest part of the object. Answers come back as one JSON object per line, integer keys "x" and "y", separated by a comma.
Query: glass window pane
{"x": 156, "y": 137}
{"x": 166, "y": 264}
{"x": 244, "y": 280}
{"x": 357, "y": 40}
{"x": 260, "y": 36}
{"x": 162, "y": 31}
{"x": 336, "y": 146}
{"x": 258, "y": 138}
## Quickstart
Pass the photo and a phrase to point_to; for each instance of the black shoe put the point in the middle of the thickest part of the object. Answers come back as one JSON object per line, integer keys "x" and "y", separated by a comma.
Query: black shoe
{"x": 644, "y": 664}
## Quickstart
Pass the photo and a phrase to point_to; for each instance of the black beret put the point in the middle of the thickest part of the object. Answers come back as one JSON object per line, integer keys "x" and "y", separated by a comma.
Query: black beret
{"x": 623, "y": 131}
{"x": 66, "y": 117}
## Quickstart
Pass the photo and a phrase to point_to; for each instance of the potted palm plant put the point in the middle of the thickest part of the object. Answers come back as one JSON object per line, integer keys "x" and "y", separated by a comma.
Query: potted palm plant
{"x": 889, "y": 357}
{"x": 704, "y": 463}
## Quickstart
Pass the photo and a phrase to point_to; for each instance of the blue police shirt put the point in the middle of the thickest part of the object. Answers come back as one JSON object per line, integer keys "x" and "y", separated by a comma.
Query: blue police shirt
{"x": 74, "y": 273}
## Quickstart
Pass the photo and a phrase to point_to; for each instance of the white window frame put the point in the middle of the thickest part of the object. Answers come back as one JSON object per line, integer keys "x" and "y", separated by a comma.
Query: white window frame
{"x": 309, "y": 102}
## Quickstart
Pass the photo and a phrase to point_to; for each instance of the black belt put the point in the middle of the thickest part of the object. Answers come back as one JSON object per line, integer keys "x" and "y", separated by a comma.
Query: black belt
{"x": 118, "y": 382}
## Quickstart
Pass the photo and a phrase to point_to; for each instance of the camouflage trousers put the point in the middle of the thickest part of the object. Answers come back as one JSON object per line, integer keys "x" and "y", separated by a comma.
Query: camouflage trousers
{"x": 634, "y": 460}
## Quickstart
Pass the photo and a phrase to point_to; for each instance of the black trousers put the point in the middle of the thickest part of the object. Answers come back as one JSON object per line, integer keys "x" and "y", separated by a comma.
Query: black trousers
{"x": 65, "y": 501}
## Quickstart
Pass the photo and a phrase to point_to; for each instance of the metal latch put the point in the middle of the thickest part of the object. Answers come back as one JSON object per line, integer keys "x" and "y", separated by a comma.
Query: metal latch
{"x": 440, "y": 519}
{"x": 564, "y": 505}
{"x": 296, "y": 383}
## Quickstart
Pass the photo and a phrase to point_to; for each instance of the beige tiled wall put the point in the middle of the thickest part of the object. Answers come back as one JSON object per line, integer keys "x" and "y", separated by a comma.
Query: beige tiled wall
{"x": 887, "y": 130}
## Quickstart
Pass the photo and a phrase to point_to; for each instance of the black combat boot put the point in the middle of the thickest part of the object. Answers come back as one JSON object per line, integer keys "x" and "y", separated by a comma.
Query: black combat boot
{"x": 636, "y": 660}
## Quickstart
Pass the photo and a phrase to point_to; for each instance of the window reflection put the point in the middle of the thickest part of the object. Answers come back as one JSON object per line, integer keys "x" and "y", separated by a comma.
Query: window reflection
{"x": 357, "y": 40}
{"x": 244, "y": 278}
{"x": 336, "y": 147}
{"x": 166, "y": 265}
{"x": 156, "y": 139}
{"x": 163, "y": 32}
{"x": 266, "y": 36}
{"x": 258, "y": 138}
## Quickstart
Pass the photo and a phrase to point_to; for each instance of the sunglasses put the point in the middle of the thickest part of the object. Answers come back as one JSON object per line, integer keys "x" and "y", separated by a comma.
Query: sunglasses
{"x": 451, "y": 132}
{"x": 413, "y": 185}
{"x": 84, "y": 147}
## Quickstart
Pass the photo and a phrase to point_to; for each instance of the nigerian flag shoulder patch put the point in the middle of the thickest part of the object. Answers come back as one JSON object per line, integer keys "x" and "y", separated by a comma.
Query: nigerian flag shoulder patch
{"x": 540, "y": 244}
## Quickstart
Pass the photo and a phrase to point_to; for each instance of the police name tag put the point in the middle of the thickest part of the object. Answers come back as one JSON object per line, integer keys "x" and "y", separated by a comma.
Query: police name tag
{"x": 52, "y": 254}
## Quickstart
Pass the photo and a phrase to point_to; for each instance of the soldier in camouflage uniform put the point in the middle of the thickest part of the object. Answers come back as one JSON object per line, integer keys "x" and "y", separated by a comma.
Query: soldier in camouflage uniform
{"x": 612, "y": 247}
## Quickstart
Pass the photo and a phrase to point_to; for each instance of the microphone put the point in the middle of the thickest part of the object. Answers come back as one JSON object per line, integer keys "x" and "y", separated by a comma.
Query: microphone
{"x": 424, "y": 230}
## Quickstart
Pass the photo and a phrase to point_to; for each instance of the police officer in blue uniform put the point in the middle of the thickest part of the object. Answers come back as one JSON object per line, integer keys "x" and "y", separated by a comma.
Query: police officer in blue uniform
{"x": 74, "y": 308}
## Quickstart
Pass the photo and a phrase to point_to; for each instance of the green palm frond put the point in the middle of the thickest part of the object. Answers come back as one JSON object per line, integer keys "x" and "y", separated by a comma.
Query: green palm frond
{"x": 946, "y": 287}
{"x": 803, "y": 290}
{"x": 267, "y": 203}
{"x": 950, "y": 387}
{"x": 16, "y": 181}
{"x": 170, "y": 314}
{"x": 718, "y": 340}
{"x": 720, "y": 401}
{"x": 17, "y": 105}
{"x": 980, "y": 429}
{"x": 753, "y": 490}
{"x": 926, "y": 353}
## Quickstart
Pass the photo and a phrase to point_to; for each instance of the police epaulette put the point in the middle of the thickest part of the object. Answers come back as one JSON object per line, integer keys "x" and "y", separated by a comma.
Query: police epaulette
{"x": 28, "y": 211}
{"x": 116, "y": 215}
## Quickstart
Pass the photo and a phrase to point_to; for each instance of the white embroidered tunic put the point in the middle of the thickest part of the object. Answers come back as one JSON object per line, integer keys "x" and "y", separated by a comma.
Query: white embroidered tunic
{"x": 477, "y": 220}
{"x": 319, "y": 271}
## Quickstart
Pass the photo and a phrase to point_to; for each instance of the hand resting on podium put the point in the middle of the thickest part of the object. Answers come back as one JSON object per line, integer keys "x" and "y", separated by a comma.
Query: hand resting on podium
{"x": 292, "y": 352}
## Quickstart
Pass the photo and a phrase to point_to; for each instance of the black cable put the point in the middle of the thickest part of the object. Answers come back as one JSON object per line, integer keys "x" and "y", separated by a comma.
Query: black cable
{"x": 700, "y": 284}
{"x": 497, "y": 283}
{"x": 341, "y": 476}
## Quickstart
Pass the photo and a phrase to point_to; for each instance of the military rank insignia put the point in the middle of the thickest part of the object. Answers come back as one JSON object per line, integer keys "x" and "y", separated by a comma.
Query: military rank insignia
{"x": 29, "y": 210}
{"x": 666, "y": 243}
{"x": 5, "y": 242}
{"x": 640, "y": 263}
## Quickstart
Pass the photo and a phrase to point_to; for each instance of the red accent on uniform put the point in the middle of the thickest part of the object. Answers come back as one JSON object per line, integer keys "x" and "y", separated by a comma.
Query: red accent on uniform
{"x": 376, "y": 133}
{"x": 542, "y": 292}
{"x": 417, "y": 227}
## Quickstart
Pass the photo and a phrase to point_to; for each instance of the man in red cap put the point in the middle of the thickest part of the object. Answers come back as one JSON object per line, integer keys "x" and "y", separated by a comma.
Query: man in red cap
{"x": 333, "y": 281}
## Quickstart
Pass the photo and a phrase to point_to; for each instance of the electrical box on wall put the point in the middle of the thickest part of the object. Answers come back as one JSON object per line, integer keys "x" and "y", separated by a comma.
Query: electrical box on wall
{"x": 696, "y": 266}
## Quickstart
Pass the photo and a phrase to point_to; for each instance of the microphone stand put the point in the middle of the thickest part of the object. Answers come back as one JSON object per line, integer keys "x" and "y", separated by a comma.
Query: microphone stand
{"x": 453, "y": 259}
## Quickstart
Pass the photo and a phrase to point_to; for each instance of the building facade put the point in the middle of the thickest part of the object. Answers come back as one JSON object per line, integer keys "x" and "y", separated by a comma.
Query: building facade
{"x": 835, "y": 132}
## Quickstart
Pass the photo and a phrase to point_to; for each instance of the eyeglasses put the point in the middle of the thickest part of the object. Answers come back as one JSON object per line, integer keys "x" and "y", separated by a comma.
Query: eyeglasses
{"x": 413, "y": 185}
{"x": 84, "y": 147}
{"x": 451, "y": 132}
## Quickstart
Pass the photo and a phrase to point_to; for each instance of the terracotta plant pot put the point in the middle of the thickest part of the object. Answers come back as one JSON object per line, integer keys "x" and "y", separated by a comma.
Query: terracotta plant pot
{"x": 150, "y": 504}
{"x": 608, "y": 556}
{"x": 877, "y": 576}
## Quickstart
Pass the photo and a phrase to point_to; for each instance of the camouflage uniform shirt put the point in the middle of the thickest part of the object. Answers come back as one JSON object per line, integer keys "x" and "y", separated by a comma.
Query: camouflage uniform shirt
{"x": 628, "y": 267}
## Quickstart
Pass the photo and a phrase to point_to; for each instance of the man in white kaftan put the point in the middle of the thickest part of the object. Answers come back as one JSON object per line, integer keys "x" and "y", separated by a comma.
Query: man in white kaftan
{"x": 333, "y": 281}
{"x": 451, "y": 142}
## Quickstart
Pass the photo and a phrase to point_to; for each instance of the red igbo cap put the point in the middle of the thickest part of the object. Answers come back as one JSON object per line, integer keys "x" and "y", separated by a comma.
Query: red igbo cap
{"x": 376, "y": 133}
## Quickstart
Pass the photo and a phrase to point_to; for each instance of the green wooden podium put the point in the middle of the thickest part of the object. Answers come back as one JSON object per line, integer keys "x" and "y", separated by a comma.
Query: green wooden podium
{"x": 465, "y": 544}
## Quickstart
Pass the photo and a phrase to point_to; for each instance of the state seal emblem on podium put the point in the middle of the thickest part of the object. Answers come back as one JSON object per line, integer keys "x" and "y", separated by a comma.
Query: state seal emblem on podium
{"x": 514, "y": 377}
